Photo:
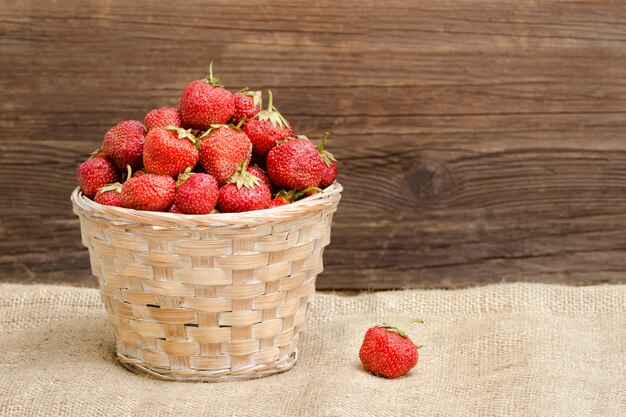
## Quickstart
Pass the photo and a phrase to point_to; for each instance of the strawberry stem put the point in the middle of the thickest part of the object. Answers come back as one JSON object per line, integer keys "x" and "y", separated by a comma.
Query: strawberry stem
{"x": 248, "y": 157}
{"x": 116, "y": 186}
{"x": 243, "y": 178}
{"x": 129, "y": 172}
{"x": 210, "y": 79}
{"x": 403, "y": 330}
{"x": 299, "y": 194}
{"x": 321, "y": 145}
{"x": 272, "y": 114}
{"x": 269, "y": 106}
{"x": 327, "y": 157}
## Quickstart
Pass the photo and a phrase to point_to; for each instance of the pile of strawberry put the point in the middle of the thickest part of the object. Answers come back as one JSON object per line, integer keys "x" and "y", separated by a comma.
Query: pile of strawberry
{"x": 218, "y": 152}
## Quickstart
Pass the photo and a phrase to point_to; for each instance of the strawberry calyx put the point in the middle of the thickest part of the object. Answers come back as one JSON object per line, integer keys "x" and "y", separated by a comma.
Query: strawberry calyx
{"x": 302, "y": 193}
{"x": 257, "y": 98}
{"x": 115, "y": 186}
{"x": 296, "y": 137}
{"x": 272, "y": 114}
{"x": 95, "y": 153}
{"x": 287, "y": 139}
{"x": 210, "y": 79}
{"x": 327, "y": 157}
{"x": 242, "y": 178}
{"x": 214, "y": 127}
{"x": 184, "y": 176}
{"x": 395, "y": 330}
{"x": 290, "y": 138}
{"x": 288, "y": 195}
{"x": 295, "y": 195}
{"x": 402, "y": 331}
{"x": 184, "y": 134}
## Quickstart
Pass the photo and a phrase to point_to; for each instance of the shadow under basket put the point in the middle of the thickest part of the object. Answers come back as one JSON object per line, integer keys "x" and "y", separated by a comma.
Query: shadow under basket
{"x": 208, "y": 297}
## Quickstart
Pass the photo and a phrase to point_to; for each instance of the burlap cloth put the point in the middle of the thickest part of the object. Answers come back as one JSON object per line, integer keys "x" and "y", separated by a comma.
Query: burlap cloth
{"x": 508, "y": 349}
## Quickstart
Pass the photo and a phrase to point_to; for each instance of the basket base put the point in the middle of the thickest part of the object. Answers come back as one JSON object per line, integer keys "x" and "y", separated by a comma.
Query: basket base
{"x": 259, "y": 371}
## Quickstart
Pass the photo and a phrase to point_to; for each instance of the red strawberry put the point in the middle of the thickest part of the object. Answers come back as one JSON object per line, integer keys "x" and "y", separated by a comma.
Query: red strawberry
{"x": 244, "y": 192}
{"x": 170, "y": 151}
{"x": 197, "y": 194}
{"x": 330, "y": 175}
{"x": 308, "y": 192}
{"x": 123, "y": 144}
{"x": 247, "y": 104}
{"x": 267, "y": 129}
{"x": 162, "y": 117}
{"x": 110, "y": 195}
{"x": 387, "y": 351}
{"x": 222, "y": 149}
{"x": 94, "y": 173}
{"x": 330, "y": 172}
{"x": 260, "y": 174}
{"x": 295, "y": 164}
{"x": 206, "y": 102}
{"x": 137, "y": 173}
{"x": 149, "y": 192}
{"x": 279, "y": 201}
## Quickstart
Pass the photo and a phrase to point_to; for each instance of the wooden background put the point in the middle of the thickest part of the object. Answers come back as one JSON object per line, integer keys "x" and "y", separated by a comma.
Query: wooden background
{"x": 479, "y": 140}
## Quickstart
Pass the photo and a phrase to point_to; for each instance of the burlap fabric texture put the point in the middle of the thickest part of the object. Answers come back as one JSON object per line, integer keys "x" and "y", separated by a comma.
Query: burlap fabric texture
{"x": 501, "y": 350}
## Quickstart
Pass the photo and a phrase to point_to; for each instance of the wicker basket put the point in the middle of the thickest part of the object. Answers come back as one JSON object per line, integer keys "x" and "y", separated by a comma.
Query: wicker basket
{"x": 208, "y": 298}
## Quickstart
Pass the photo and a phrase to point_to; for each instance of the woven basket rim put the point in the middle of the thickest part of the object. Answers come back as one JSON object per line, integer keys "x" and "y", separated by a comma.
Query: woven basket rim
{"x": 329, "y": 197}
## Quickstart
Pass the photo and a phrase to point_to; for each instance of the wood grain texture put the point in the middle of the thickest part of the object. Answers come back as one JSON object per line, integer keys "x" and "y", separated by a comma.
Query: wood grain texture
{"x": 478, "y": 141}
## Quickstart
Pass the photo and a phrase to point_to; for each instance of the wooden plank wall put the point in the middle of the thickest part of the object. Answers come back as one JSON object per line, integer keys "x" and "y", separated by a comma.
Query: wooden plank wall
{"x": 479, "y": 141}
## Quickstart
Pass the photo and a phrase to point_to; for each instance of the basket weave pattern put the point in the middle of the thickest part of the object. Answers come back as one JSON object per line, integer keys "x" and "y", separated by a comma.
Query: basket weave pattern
{"x": 213, "y": 297}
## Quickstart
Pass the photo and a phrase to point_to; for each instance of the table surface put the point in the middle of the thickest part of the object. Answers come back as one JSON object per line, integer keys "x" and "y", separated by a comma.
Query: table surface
{"x": 499, "y": 350}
